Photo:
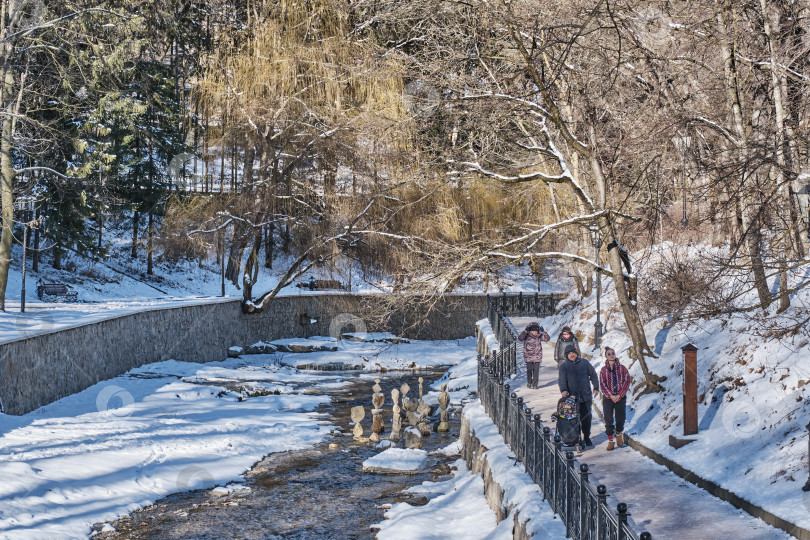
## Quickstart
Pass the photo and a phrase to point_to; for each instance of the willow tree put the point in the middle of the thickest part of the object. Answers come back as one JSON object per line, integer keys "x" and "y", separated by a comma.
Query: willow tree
{"x": 539, "y": 94}
{"x": 304, "y": 96}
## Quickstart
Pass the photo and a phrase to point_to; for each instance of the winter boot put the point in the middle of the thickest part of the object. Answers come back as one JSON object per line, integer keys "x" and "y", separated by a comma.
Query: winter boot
{"x": 611, "y": 444}
{"x": 620, "y": 439}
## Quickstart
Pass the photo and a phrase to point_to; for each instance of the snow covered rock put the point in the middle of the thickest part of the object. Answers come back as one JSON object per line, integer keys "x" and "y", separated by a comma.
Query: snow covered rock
{"x": 235, "y": 352}
{"x": 412, "y": 438}
{"x": 397, "y": 460}
{"x": 259, "y": 348}
{"x": 318, "y": 344}
{"x": 373, "y": 337}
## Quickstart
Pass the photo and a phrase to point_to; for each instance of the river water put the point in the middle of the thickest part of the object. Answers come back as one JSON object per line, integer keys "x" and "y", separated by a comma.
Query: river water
{"x": 316, "y": 493}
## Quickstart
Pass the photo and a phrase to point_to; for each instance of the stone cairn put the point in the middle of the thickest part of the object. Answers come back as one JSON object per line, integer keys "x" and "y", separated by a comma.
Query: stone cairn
{"x": 423, "y": 411}
{"x": 377, "y": 400}
{"x": 444, "y": 401}
{"x": 358, "y": 413}
{"x": 411, "y": 437}
{"x": 396, "y": 425}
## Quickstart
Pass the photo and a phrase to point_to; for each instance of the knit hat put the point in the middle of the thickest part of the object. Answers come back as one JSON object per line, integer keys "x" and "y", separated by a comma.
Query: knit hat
{"x": 566, "y": 329}
{"x": 533, "y": 326}
{"x": 570, "y": 349}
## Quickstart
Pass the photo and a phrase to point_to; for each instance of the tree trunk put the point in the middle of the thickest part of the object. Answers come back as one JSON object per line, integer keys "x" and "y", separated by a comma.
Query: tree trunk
{"x": 35, "y": 258}
{"x": 782, "y": 158}
{"x": 635, "y": 327}
{"x": 6, "y": 185}
{"x": 238, "y": 245}
{"x": 268, "y": 245}
{"x": 100, "y": 229}
{"x": 136, "y": 218}
{"x": 57, "y": 256}
{"x": 751, "y": 234}
{"x": 150, "y": 232}
{"x": 251, "y": 268}
{"x": 240, "y": 230}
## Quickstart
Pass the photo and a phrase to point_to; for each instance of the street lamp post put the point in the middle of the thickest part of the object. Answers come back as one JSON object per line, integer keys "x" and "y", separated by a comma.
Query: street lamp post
{"x": 684, "y": 142}
{"x": 596, "y": 240}
{"x": 25, "y": 207}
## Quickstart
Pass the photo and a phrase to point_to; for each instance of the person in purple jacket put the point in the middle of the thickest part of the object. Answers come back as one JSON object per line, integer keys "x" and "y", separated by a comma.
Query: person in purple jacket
{"x": 533, "y": 337}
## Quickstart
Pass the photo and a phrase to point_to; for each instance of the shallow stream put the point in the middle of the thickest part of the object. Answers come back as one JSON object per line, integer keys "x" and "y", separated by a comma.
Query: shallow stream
{"x": 316, "y": 493}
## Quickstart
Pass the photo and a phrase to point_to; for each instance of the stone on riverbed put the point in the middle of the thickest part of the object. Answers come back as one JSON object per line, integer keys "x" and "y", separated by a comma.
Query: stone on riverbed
{"x": 315, "y": 344}
{"x": 397, "y": 461}
{"x": 412, "y": 438}
{"x": 259, "y": 348}
{"x": 373, "y": 337}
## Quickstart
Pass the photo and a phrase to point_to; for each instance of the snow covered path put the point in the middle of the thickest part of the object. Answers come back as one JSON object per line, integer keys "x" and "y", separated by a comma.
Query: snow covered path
{"x": 659, "y": 501}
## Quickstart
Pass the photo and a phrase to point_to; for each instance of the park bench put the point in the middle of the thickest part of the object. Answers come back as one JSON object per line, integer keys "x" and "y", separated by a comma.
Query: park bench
{"x": 55, "y": 291}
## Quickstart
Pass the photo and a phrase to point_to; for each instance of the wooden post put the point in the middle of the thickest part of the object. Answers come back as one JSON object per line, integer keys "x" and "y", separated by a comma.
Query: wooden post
{"x": 690, "y": 405}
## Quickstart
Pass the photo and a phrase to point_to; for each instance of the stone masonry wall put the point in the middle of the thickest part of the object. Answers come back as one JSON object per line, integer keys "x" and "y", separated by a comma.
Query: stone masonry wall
{"x": 41, "y": 369}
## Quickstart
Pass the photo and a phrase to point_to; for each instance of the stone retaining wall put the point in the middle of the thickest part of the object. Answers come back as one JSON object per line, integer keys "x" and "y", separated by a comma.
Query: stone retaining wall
{"x": 41, "y": 369}
{"x": 475, "y": 454}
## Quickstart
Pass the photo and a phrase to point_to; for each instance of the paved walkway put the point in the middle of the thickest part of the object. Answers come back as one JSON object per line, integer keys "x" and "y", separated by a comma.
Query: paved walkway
{"x": 659, "y": 501}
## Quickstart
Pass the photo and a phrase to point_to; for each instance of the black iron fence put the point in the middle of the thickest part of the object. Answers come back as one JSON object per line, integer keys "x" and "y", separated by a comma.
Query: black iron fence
{"x": 581, "y": 505}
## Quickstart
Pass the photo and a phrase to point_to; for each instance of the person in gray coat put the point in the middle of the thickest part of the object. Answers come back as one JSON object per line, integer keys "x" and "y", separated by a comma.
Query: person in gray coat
{"x": 576, "y": 376}
{"x": 565, "y": 339}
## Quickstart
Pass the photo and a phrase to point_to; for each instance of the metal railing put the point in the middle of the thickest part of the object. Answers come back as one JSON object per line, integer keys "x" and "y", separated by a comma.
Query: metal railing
{"x": 568, "y": 490}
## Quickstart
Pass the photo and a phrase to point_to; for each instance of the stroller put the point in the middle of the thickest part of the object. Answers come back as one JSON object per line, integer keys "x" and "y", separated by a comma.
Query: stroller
{"x": 569, "y": 426}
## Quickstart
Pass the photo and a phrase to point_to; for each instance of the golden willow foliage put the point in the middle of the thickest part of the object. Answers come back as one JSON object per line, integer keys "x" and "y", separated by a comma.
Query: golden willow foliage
{"x": 298, "y": 82}
{"x": 296, "y": 72}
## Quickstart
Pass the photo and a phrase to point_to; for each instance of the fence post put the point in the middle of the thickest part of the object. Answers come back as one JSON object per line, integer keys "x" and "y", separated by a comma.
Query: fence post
{"x": 621, "y": 508}
{"x": 583, "y": 501}
{"x": 690, "y": 409}
{"x": 556, "y": 463}
{"x": 569, "y": 488}
{"x": 601, "y": 507}
{"x": 528, "y": 439}
{"x": 518, "y": 440}
{"x": 536, "y": 449}
{"x": 505, "y": 409}
{"x": 510, "y": 419}
{"x": 481, "y": 372}
{"x": 546, "y": 453}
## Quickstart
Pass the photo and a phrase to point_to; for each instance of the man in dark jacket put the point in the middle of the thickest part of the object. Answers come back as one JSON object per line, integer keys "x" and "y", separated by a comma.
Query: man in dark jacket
{"x": 576, "y": 376}
{"x": 533, "y": 338}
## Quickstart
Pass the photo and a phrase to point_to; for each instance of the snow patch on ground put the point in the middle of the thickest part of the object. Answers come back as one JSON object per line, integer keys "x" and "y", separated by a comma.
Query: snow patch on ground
{"x": 458, "y": 510}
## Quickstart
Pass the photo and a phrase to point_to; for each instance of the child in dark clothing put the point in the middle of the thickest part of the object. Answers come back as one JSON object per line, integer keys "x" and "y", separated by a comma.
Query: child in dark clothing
{"x": 566, "y": 338}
